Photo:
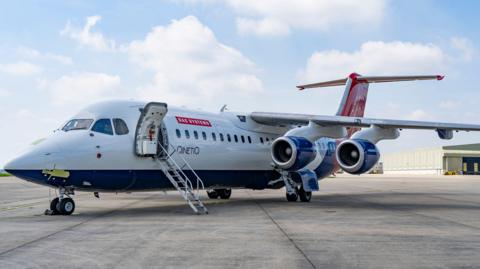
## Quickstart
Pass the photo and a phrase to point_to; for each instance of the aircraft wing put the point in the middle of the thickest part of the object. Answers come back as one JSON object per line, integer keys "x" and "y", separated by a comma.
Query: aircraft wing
{"x": 283, "y": 119}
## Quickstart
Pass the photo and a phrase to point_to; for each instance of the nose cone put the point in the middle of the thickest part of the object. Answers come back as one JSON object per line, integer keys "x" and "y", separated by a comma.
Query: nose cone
{"x": 28, "y": 161}
{"x": 12, "y": 167}
{"x": 36, "y": 158}
{"x": 30, "y": 166}
{"x": 9, "y": 166}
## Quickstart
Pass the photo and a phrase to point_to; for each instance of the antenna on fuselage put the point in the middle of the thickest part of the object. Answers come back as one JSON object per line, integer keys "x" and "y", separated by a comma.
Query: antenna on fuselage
{"x": 224, "y": 107}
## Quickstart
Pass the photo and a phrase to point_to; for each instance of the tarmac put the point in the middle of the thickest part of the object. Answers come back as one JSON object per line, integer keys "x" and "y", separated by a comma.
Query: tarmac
{"x": 352, "y": 222}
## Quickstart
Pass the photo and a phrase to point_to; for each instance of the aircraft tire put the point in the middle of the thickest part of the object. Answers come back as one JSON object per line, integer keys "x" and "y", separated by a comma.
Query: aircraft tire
{"x": 225, "y": 193}
{"x": 212, "y": 194}
{"x": 54, "y": 206}
{"x": 66, "y": 206}
{"x": 292, "y": 197}
{"x": 305, "y": 196}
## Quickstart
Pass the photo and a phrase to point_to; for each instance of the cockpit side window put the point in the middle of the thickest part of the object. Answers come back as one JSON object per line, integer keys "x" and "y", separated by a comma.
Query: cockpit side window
{"x": 77, "y": 124}
{"x": 103, "y": 126}
{"x": 121, "y": 127}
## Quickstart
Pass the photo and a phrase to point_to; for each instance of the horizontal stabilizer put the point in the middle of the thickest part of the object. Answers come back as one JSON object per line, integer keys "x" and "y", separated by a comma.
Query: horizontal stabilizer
{"x": 369, "y": 79}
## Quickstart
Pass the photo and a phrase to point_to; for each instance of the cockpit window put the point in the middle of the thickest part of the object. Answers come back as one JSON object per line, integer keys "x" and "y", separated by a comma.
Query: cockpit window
{"x": 103, "y": 126}
{"x": 77, "y": 124}
{"x": 120, "y": 127}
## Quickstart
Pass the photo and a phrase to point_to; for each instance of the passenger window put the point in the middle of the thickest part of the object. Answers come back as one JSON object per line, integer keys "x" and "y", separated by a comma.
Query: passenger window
{"x": 249, "y": 139}
{"x": 236, "y": 138}
{"x": 214, "y": 137}
{"x": 229, "y": 138}
{"x": 195, "y": 134}
{"x": 204, "y": 136}
{"x": 221, "y": 137}
{"x": 268, "y": 140}
{"x": 120, "y": 127}
{"x": 103, "y": 126}
{"x": 187, "y": 134}
{"x": 261, "y": 140}
{"x": 179, "y": 134}
{"x": 243, "y": 138}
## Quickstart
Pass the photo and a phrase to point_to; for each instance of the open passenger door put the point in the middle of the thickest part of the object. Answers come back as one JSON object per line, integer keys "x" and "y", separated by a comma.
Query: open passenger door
{"x": 151, "y": 136}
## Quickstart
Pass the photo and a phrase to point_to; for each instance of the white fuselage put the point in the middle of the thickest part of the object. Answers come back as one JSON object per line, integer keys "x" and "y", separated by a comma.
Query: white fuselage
{"x": 233, "y": 143}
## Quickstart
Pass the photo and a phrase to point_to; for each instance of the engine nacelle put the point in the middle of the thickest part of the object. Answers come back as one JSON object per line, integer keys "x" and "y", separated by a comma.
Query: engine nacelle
{"x": 292, "y": 153}
{"x": 357, "y": 156}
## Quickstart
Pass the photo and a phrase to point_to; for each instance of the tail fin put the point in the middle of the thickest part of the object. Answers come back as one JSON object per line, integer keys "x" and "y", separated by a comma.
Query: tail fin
{"x": 355, "y": 96}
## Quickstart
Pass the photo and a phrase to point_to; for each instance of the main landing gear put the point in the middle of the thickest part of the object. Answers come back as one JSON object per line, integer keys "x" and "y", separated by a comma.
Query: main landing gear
{"x": 294, "y": 192}
{"x": 219, "y": 193}
{"x": 305, "y": 196}
{"x": 63, "y": 204}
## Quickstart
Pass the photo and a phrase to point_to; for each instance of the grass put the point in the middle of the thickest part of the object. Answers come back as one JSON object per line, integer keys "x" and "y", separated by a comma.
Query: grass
{"x": 5, "y": 175}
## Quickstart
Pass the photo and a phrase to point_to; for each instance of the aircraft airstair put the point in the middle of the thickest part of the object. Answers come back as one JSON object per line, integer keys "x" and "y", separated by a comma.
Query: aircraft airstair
{"x": 179, "y": 179}
{"x": 151, "y": 141}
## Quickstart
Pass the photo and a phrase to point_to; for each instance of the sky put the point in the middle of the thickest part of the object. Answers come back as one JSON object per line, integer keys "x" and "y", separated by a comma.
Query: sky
{"x": 58, "y": 56}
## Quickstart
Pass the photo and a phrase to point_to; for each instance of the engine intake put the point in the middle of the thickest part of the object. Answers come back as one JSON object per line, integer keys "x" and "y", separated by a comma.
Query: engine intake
{"x": 292, "y": 153}
{"x": 357, "y": 156}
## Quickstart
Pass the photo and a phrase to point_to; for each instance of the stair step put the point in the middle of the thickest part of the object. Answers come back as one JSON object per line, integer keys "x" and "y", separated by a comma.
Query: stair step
{"x": 182, "y": 183}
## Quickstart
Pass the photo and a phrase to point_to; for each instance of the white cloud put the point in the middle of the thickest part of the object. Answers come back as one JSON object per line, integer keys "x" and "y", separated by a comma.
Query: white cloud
{"x": 419, "y": 114}
{"x": 24, "y": 113}
{"x": 82, "y": 88}
{"x": 20, "y": 69}
{"x": 37, "y": 55}
{"x": 464, "y": 46}
{"x": 265, "y": 26}
{"x": 277, "y": 17}
{"x": 191, "y": 66}
{"x": 376, "y": 58}
{"x": 4, "y": 93}
{"x": 86, "y": 37}
{"x": 449, "y": 104}
{"x": 191, "y": 2}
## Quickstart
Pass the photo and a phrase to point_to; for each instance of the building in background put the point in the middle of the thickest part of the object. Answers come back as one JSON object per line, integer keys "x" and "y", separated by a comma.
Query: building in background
{"x": 460, "y": 159}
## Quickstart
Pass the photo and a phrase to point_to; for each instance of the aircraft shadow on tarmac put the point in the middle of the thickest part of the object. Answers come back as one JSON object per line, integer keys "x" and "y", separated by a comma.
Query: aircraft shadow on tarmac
{"x": 387, "y": 201}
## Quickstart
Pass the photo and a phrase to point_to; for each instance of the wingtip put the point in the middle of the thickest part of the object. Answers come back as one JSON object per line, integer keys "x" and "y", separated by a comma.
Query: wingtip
{"x": 300, "y": 88}
{"x": 440, "y": 77}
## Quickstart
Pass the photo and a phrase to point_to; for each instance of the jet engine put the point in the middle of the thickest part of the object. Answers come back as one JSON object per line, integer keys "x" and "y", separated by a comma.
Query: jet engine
{"x": 292, "y": 153}
{"x": 357, "y": 156}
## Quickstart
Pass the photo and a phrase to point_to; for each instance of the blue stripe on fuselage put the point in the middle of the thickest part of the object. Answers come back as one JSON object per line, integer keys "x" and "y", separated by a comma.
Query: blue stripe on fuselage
{"x": 138, "y": 180}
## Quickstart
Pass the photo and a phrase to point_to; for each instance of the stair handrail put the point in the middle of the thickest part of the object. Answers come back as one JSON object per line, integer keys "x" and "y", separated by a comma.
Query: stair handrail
{"x": 178, "y": 168}
{"x": 199, "y": 180}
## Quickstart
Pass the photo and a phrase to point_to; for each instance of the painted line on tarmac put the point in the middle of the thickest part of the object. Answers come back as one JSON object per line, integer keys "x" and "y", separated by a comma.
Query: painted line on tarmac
{"x": 409, "y": 210}
{"x": 8, "y": 208}
{"x": 72, "y": 226}
{"x": 283, "y": 232}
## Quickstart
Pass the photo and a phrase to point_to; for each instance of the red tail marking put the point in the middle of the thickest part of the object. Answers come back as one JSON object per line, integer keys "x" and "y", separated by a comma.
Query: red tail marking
{"x": 357, "y": 98}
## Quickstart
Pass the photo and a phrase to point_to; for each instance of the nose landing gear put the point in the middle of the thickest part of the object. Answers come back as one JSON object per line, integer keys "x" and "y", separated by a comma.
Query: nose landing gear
{"x": 62, "y": 205}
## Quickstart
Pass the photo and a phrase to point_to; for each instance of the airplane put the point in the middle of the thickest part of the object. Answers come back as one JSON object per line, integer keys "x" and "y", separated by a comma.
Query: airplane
{"x": 129, "y": 146}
